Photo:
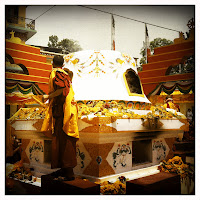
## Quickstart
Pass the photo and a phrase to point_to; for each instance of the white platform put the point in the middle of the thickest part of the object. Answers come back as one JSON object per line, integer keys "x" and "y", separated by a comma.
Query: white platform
{"x": 134, "y": 174}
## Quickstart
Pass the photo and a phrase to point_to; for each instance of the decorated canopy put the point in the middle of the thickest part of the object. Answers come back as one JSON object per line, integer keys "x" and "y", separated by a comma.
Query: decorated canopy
{"x": 21, "y": 92}
{"x": 104, "y": 75}
{"x": 180, "y": 91}
{"x": 171, "y": 88}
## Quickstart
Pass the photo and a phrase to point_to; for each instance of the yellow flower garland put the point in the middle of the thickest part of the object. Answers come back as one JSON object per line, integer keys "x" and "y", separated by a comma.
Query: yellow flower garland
{"x": 121, "y": 111}
{"x": 113, "y": 188}
{"x": 176, "y": 165}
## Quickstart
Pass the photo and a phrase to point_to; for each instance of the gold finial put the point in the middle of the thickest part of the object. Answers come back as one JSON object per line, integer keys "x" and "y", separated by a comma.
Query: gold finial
{"x": 12, "y": 33}
{"x": 15, "y": 39}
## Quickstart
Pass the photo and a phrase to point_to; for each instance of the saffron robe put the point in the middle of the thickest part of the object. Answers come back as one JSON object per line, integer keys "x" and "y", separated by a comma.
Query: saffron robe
{"x": 61, "y": 118}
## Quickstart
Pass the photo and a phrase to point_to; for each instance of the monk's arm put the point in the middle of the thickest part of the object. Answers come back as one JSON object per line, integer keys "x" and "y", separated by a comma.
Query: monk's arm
{"x": 53, "y": 94}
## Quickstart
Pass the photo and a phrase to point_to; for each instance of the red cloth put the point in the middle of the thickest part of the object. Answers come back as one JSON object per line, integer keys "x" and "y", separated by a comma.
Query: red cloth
{"x": 168, "y": 105}
{"x": 177, "y": 106}
{"x": 62, "y": 80}
{"x": 63, "y": 146}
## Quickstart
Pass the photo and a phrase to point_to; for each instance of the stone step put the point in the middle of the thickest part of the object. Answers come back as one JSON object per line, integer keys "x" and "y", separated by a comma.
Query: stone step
{"x": 184, "y": 142}
{"x": 184, "y": 154}
{"x": 184, "y": 146}
{"x": 38, "y": 174}
{"x": 158, "y": 184}
{"x": 45, "y": 165}
{"x": 41, "y": 169}
{"x": 74, "y": 187}
{"x": 189, "y": 160}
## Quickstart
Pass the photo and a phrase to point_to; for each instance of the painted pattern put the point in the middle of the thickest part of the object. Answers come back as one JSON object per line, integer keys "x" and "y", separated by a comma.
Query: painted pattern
{"x": 120, "y": 157}
{"x": 80, "y": 155}
{"x": 129, "y": 104}
{"x": 83, "y": 158}
{"x": 99, "y": 160}
{"x": 97, "y": 63}
{"x": 35, "y": 151}
{"x": 121, "y": 153}
{"x": 160, "y": 150}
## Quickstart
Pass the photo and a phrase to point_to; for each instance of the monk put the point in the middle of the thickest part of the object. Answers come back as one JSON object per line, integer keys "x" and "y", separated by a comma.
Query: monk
{"x": 170, "y": 104}
{"x": 61, "y": 117}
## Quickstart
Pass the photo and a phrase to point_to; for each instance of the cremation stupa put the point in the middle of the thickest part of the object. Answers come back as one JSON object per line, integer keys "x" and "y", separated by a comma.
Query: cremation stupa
{"x": 105, "y": 75}
{"x": 120, "y": 131}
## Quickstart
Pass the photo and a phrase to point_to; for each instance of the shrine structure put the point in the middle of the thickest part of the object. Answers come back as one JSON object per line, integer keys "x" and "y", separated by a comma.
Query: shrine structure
{"x": 170, "y": 71}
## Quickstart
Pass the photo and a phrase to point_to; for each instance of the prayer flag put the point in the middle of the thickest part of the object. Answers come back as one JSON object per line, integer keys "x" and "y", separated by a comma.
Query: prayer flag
{"x": 112, "y": 33}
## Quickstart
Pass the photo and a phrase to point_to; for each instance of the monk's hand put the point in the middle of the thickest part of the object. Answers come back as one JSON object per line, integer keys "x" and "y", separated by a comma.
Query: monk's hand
{"x": 45, "y": 97}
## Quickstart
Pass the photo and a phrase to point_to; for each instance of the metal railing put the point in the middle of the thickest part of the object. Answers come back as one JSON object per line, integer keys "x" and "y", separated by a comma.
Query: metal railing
{"x": 21, "y": 21}
{"x": 50, "y": 53}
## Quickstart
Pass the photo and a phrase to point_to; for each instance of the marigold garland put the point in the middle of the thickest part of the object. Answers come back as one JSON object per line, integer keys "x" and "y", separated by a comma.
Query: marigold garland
{"x": 108, "y": 109}
{"x": 176, "y": 165}
{"x": 118, "y": 187}
{"x": 102, "y": 109}
{"x": 29, "y": 113}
